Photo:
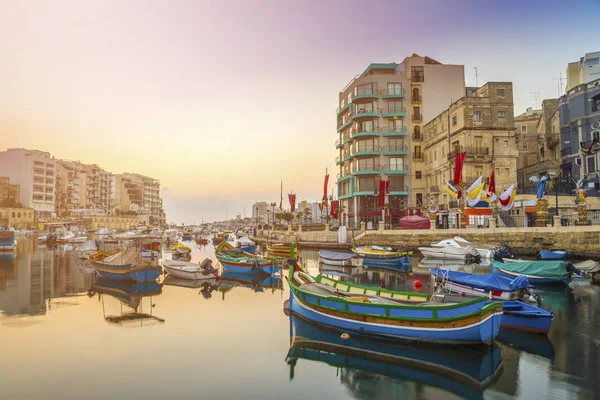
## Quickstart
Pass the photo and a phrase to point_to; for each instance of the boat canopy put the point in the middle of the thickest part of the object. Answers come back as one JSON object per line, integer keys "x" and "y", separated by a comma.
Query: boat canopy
{"x": 336, "y": 256}
{"x": 88, "y": 245}
{"x": 125, "y": 257}
{"x": 484, "y": 281}
{"x": 245, "y": 241}
{"x": 555, "y": 270}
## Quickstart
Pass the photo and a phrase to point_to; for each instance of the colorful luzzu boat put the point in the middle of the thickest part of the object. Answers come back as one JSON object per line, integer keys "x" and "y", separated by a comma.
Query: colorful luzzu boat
{"x": 382, "y": 256}
{"x": 369, "y": 361}
{"x": 124, "y": 266}
{"x": 389, "y": 314}
{"x": 180, "y": 249}
{"x": 236, "y": 260}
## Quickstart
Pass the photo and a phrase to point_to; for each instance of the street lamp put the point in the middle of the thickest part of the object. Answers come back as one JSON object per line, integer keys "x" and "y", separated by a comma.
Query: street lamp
{"x": 273, "y": 205}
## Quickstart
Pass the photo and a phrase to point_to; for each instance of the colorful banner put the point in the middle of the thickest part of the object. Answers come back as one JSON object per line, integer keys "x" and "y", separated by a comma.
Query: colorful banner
{"x": 458, "y": 166}
{"x": 292, "y": 199}
{"x": 507, "y": 198}
{"x": 492, "y": 186}
{"x": 383, "y": 187}
{"x": 325, "y": 188}
{"x": 335, "y": 206}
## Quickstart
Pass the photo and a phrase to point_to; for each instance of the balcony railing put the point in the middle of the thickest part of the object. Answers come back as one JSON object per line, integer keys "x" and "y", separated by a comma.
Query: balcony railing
{"x": 398, "y": 188}
{"x": 453, "y": 204}
{"x": 365, "y": 128}
{"x": 394, "y": 110}
{"x": 367, "y": 167}
{"x": 471, "y": 152}
{"x": 392, "y": 92}
{"x": 367, "y": 110}
{"x": 418, "y": 157}
{"x": 394, "y": 168}
{"x": 443, "y": 207}
{"x": 362, "y": 149}
{"x": 553, "y": 140}
{"x": 566, "y": 151}
{"x": 415, "y": 99}
{"x": 337, "y": 143}
{"x": 389, "y": 129}
{"x": 434, "y": 189}
{"x": 417, "y": 117}
{"x": 396, "y": 147}
{"x": 417, "y": 136}
{"x": 361, "y": 91}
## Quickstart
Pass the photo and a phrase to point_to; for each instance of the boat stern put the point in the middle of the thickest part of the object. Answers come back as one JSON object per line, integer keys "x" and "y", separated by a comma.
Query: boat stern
{"x": 491, "y": 318}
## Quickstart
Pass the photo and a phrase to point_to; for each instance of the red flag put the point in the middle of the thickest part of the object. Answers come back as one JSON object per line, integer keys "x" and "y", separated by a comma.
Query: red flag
{"x": 325, "y": 188}
{"x": 383, "y": 186}
{"x": 335, "y": 205}
{"x": 492, "y": 185}
{"x": 292, "y": 198}
{"x": 458, "y": 166}
{"x": 321, "y": 207}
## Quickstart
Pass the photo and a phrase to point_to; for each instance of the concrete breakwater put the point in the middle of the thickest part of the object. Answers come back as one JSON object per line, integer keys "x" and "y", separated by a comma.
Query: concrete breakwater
{"x": 580, "y": 242}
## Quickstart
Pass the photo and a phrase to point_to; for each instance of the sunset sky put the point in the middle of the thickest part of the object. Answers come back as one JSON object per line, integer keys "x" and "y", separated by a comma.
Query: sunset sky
{"x": 221, "y": 100}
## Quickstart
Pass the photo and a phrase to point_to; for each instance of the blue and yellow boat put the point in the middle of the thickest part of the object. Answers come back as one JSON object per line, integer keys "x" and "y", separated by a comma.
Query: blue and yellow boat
{"x": 376, "y": 256}
{"x": 390, "y": 314}
{"x": 124, "y": 266}
{"x": 236, "y": 260}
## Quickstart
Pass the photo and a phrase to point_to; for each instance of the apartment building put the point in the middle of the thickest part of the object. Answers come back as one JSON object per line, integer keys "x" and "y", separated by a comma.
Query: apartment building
{"x": 68, "y": 195}
{"x": 140, "y": 194}
{"x": 586, "y": 70}
{"x": 538, "y": 133}
{"x": 480, "y": 124}
{"x": 379, "y": 123}
{"x": 34, "y": 172}
{"x": 9, "y": 194}
{"x": 95, "y": 188}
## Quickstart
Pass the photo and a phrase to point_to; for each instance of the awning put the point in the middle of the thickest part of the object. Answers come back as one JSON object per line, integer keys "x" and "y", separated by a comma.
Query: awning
{"x": 531, "y": 209}
{"x": 478, "y": 211}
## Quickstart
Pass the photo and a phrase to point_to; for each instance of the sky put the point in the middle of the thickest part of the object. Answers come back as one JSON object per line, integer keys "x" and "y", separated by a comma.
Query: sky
{"x": 223, "y": 100}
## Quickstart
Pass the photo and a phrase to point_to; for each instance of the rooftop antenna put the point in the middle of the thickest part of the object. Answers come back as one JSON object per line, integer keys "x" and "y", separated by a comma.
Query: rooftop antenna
{"x": 559, "y": 82}
{"x": 476, "y": 77}
{"x": 536, "y": 96}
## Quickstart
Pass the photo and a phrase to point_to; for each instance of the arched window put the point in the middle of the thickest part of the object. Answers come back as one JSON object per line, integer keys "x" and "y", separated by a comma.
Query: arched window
{"x": 415, "y": 94}
{"x": 19, "y": 215}
{"x": 13, "y": 214}
{"x": 417, "y": 130}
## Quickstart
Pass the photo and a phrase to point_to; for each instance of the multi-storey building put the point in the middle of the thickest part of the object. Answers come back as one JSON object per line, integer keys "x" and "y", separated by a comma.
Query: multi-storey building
{"x": 34, "y": 172}
{"x": 67, "y": 187}
{"x": 95, "y": 187}
{"x": 539, "y": 144}
{"x": 10, "y": 195}
{"x": 580, "y": 130}
{"x": 482, "y": 125}
{"x": 586, "y": 70}
{"x": 259, "y": 212}
{"x": 379, "y": 122}
{"x": 140, "y": 194}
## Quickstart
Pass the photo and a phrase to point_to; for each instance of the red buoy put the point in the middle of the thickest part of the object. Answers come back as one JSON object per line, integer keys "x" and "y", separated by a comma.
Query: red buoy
{"x": 418, "y": 284}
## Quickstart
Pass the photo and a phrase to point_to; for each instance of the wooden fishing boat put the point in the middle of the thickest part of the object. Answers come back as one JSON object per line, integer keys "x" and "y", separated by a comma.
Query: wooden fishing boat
{"x": 180, "y": 249}
{"x": 339, "y": 259}
{"x": 390, "y": 314}
{"x": 382, "y": 256}
{"x": 236, "y": 260}
{"x": 466, "y": 376}
{"x": 186, "y": 236}
{"x": 7, "y": 241}
{"x": 526, "y": 317}
{"x": 282, "y": 250}
{"x": 256, "y": 282}
{"x": 188, "y": 270}
{"x": 552, "y": 254}
{"x": 537, "y": 272}
{"x": 201, "y": 241}
{"x": 125, "y": 265}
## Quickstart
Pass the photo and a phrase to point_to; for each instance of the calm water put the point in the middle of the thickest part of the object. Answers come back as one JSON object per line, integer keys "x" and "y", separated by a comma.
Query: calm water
{"x": 231, "y": 339}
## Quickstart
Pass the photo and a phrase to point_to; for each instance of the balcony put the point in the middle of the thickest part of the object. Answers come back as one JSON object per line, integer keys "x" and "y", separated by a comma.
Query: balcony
{"x": 337, "y": 160}
{"x": 345, "y": 174}
{"x": 471, "y": 152}
{"x": 392, "y": 131}
{"x": 417, "y": 118}
{"x": 434, "y": 189}
{"x": 400, "y": 149}
{"x": 453, "y": 204}
{"x": 368, "y": 169}
{"x": 566, "y": 151}
{"x": 553, "y": 139}
{"x": 338, "y": 144}
{"x": 418, "y": 157}
{"x": 365, "y": 93}
{"x": 393, "y": 93}
{"x": 415, "y": 99}
{"x": 443, "y": 207}
{"x": 366, "y": 151}
{"x": 340, "y": 110}
{"x": 38, "y": 172}
{"x": 398, "y": 191}
{"x": 393, "y": 112}
{"x": 368, "y": 112}
{"x": 366, "y": 131}
{"x": 417, "y": 136}
{"x": 394, "y": 169}
{"x": 344, "y": 125}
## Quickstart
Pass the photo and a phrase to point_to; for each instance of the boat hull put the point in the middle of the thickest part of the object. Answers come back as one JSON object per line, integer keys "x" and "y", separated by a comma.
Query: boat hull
{"x": 532, "y": 278}
{"x": 350, "y": 262}
{"x": 247, "y": 268}
{"x": 195, "y": 275}
{"x": 473, "y": 291}
{"x": 523, "y": 317}
{"x": 249, "y": 249}
{"x": 552, "y": 254}
{"x": 387, "y": 262}
{"x": 441, "y": 255}
{"x": 477, "y": 330}
{"x": 143, "y": 273}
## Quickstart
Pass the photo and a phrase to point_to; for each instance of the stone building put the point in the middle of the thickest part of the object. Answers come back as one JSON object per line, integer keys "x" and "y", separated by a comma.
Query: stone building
{"x": 18, "y": 218}
{"x": 539, "y": 151}
{"x": 135, "y": 193}
{"x": 481, "y": 124}
{"x": 112, "y": 222}
{"x": 10, "y": 195}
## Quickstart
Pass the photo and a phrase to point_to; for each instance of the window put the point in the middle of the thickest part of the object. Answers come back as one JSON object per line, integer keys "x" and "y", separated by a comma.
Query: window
{"x": 394, "y": 88}
{"x": 418, "y": 152}
{"x": 506, "y": 143}
{"x": 419, "y": 199}
{"x": 523, "y": 130}
{"x": 396, "y": 184}
{"x": 478, "y": 142}
{"x": 479, "y": 170}
{"x": 477, "y": 116}
{"x": 417, "y": 74}
{"x": 365, "y": 107}
{"x": 396, "y": 144}
{"x": 367, "y": 88}
{"x": 19, "y": 215}
{"x": 507, "y": 171}
{"x": 417, "y": 112}
{"x": 591, "y": 165}
{"x": 435, "y": 155}
{"x": 453, "y": 119}
{"x": 395, "y": 106}
{"x": 418, "y": 175}
{"x": 596, "y": 103}
{"x": 417, "y": 132}
{"x": 396, "y": 164}
{"x": 500, "y": 92}
{"x": 524, "y": 145}
{"x": 415, "y": 94}
{"x": 366, "y": 145}
{"x": 501, "y": 114}
{"x": 13, "y": 214}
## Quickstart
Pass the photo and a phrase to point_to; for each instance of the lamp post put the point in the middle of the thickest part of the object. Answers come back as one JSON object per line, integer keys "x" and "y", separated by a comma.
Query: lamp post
{"x": 273, "y": 204}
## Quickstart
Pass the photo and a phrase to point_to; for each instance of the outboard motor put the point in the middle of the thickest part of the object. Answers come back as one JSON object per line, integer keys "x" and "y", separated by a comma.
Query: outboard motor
{"x": 207, "y": 267}
{"x": 503, "y": 251}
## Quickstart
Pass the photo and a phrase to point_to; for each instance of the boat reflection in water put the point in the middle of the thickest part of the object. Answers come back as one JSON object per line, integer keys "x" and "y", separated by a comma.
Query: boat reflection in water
{"x": 533, "y": 343}
{"x": 206, "y": 286}
{"x": 7, "y": 259}
{"x": 341, "y": 271}
{"x": 130, "y": 294}
{"x": 370, "y": 368}
{"x": 257, "y": 282}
